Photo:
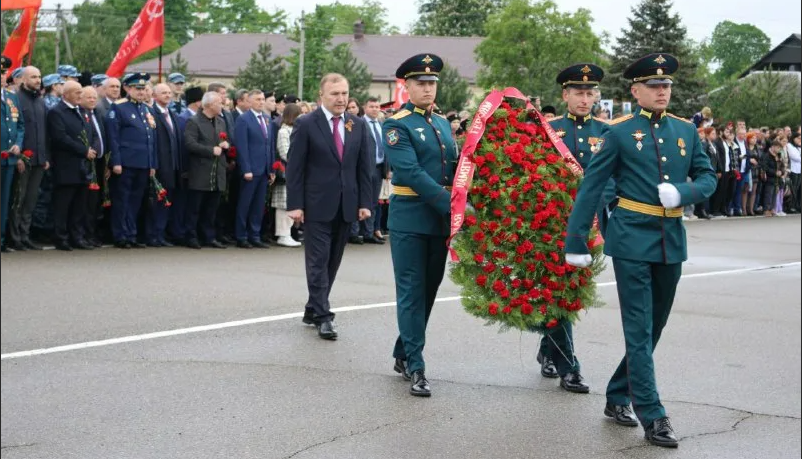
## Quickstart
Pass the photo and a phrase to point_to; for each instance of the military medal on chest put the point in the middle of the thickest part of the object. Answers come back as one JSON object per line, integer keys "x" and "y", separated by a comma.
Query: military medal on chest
{"x": 681, "y": 145}
{"x": 594, "y": 144}
{"x": 560, "y": 133}
{"x": 420, "y": 131}
{"x": 638, "y": 135}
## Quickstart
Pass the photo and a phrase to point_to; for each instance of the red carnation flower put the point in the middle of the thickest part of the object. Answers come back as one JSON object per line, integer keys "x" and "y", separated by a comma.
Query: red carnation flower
{"x": 506, "y": 270}
{"x": 552, "y": 323}
{"x": 516, "y": 283}
{"x": 489, "y": 268}
{"x": 505, "y": 293}
{"x": 543, "y": 310}
{"x": 507, "y": 310}
{"x": 492, "y": 309}
{"x": 27, "y": 153}
{"x": 479, "y": 236}
{"x": 479, "y": 258}
{"x": 527, "y": 309}
{"x": 223, "y": 136}
{"x": 4, "y": 155}
{"x": 494, "y": 179}
{"x": 498, "y": 286}
{"x": 470, "y": 220}
{"x": 232, "y": 153}
{"x": 481, "y": 280}
{"x": 479, "y": 160}
{"x": 278, "y": 166}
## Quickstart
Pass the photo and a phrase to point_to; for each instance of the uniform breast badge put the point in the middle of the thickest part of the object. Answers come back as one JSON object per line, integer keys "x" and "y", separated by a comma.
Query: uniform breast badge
{"x": 420, "y": 131}
{"x": 594, "y": 144}
{"x": 638, "y": 135}
{"x": 349, "y": 125}
{"x": 681, "y": 145}
{"x": 560, "y": 133}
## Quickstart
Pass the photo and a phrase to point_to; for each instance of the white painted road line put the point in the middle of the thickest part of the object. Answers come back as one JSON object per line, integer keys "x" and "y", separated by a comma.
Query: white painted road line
{"x": 295, "y": 315}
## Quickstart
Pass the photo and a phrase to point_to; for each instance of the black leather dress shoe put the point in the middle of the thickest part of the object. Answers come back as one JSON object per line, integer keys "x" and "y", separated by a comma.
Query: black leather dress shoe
{"x": 244, "y": 245}
{"x": 400, "y": 366}
{"x": 259, "y": 244}
{"x": 166, "y": 244}
{"x": 226, "y": 240}
{"x": 137, "y": 245}
{"x": 358, "y": 240}
{"x": 19, "y": 247}
{"x": 660, "y": 433}
{"x": 63, "y": 246}
{"x": 572, "y": 382}
{"x": 309, "y": 318}
{"x": 214, "y": 243}
{"x": 122, "y": 245}
{"x": 372, "y": 240}
{"x": 547, "y": 367}
{"x": 83, "y": 245}
{"x": 193, "y": 244}
{"x": 95, "y": 243}
{"x": 326, "y": 330}
{"x": 621, "y": 414}
{"x": 154, "y": 244}
{"x": 419, "y": 386}
{"x": 6, "y": 249}
{"x": 30, "y": 245}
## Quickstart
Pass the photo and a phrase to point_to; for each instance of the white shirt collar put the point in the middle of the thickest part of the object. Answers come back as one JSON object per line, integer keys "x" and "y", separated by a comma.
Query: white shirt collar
{"x": 72, "y": 107}
{"x": 257, "y": 114}
{"x": 328, "y": 114}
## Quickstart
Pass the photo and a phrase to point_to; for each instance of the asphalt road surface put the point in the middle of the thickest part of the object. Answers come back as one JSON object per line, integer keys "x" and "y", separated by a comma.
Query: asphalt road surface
{"x": 236, "y": 375}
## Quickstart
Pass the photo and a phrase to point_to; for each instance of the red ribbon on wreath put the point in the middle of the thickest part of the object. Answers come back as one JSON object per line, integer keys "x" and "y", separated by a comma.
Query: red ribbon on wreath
{"x": 466, "y": 166}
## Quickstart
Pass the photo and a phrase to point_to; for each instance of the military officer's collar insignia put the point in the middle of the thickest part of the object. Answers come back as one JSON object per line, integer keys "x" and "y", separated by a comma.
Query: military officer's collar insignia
{"x": 638, "y": 135}
{"x": 560, "y": 133}
{"x": 660, "y": 59}
{"x": 584, "y": 119}
{"x": 419, "y": 111}
{"x": 650, "y": 115}
{"x": 392, "y": 137}
{"x": 427, "y": 59}
{"x": 586, "y": 69}
{"x": 420, "y": 131}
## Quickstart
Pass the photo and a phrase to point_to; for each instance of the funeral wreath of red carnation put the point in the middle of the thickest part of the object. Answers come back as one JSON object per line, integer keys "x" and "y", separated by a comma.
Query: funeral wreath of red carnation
{"x": 512, "y": 268}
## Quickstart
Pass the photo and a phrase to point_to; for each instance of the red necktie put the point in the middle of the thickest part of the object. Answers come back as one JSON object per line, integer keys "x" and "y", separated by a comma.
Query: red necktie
{"x": 338, "y": 141}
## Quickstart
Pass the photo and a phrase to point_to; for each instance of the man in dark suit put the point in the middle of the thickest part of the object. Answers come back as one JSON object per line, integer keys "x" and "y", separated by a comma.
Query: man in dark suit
{"x": 70, "y": 142}
{"x": 178, "y": 220}
{"x": 111, "y": 93}
{"x": 100, "y": 142}
{"x": 329, "y": 175}
{"x": 255, "y": 161}
{"x": 168, "y": 150}
{"x": 205, "y": 139}
{"x": 227, "y": 210}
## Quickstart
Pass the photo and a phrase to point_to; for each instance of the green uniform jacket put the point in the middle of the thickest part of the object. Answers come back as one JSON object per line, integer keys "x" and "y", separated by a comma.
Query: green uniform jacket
{"x": 13, "y": 129}
{"x": 423, "y": 157}
{"x": 670, "y": 151}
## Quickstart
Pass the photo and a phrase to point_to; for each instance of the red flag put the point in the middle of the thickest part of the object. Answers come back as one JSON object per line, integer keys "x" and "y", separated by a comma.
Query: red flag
{"x": 19, "y": 43}
{"x": 400, "y": 96}
{"x": 146, "y": 33}
{"x": 21, "y": 4}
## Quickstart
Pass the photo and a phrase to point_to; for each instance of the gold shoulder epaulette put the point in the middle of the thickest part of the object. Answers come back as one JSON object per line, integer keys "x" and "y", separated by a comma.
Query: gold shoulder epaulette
{"x": 596, "y": 118}
{"x": 401, "y": 114}
{"x": 556, "y": 118}
{"x": 621, "y": 119}
{"x": 679, "y": 118}
{"x": 119, "y": 101}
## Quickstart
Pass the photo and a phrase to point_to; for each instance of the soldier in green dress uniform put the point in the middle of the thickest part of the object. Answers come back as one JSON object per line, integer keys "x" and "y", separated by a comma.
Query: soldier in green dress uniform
{"x": 580, "y": 132}
{"x": 650, "y": 153}
{"x": 423, "y": 158}
{"x": 12, "y": 133}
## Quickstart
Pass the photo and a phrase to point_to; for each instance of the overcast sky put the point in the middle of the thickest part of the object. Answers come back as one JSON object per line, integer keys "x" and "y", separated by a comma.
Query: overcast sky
{"x": 778, "y": 20}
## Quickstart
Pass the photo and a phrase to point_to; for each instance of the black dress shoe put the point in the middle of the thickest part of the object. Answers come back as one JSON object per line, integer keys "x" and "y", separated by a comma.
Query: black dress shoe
{"x": 226, "y": 240}
{"x": 400, "y": 366}
{"x": 122, "y": 245}
{"x": 19, "y": 247}
{"x": 6, "y": 249}
{"x": 358, "y": 240}
{"x": 214, "y": 243}
{"x": 309, "y": 317}
{"x": 244, "y": 245}
{"x": 95, "y": 243}
{"x": 419, "y": 386}
{"x": 193, "y": 244}
{"x": 326, "y": 330}
{"x": 137, "y": 245}
{"x": 621, "y": 414}
{"x": 259, "y": 244}
{"x": 154, "y": 244}
{"x": 572, "y": 382}
{"x": 660, "y": 433}
{"x": 372, "y": 240}
{"x": 83, "y": 245}
{"x": 166, "y": 244}
{"x": 63, "y": 246}
{"x": 547, "y": 367}
{"x": 30, "y": 245}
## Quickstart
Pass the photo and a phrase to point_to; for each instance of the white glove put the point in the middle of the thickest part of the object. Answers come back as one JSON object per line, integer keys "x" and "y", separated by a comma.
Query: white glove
{"x": 669, "y": 195}
{"x": 580, "y": 261}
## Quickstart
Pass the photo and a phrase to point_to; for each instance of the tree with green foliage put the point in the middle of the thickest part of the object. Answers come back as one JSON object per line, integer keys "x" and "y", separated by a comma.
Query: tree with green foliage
{"x": 180, "y": 65}
{"x": 653, "y": 28}
{"x": 734, "y": 48}
{"x": 263, "y": 71}
{"x": 342, "y": 61}
{"x": 236, "y": 16}
{"x": 453, "y": 92}
{"x": 371, "y": 12}
{"x": 761, "y": 99}
{"x": 318, "y": 28}
{"x": 454, "y": 18}
{"x": 529, "y": 43}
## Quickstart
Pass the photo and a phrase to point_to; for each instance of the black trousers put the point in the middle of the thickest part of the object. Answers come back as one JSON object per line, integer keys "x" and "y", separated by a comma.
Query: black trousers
{"x": 201, "y": 212}
{"x": 723, "y": 195}
{"x": 324, "y": 244}
{"x": 69, "y": 210}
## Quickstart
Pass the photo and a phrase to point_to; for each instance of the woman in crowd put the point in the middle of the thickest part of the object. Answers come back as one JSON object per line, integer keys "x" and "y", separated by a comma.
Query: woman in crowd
{"x": 354, "y": 108}
{"x": 279, "y": 198}
{"x": 795, "y": 158}
{"x": 702, "y": 209}
{"x": 783, "y": 157}
{"x": 748, "y": 193}
{"x": 305, "y": 108}
{"x": 770, "y": 175}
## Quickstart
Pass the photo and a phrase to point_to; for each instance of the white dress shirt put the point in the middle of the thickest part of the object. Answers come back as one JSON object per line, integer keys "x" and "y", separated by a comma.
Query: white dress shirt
{"x": 341, "y": 129}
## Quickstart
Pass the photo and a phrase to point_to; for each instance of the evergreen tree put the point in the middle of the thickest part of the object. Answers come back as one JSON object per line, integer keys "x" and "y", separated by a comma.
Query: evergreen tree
{"x": 318, "y": 28}
{"x": 342, "y": 61}
{"x": 653, "y": 28}
{"x": 262, "y": 71}
{"x": 180, "y": 65}
{"x": 452, "y": 90}
{"x": 454, "y": 18}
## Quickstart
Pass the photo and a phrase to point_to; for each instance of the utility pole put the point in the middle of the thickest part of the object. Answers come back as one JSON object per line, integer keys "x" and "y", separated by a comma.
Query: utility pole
{"x": 301, "y": 60}
{"x": 58, "y": 36}
{"x": 66, "y": 36}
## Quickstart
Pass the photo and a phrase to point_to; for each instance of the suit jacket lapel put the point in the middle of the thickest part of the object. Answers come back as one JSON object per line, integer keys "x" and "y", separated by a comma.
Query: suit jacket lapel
{"x": 348, "y": 137}
{"x": 323, "y": 125}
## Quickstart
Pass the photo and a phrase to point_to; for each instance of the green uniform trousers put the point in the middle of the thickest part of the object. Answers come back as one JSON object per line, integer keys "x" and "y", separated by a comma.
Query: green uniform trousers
{"x": 646, "y": 293}
{"x": 419, "y": 262}
{"x": 558, "y": 345}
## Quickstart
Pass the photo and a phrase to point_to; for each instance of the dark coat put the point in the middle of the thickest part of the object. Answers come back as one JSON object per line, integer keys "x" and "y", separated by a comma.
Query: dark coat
{"x": 168, "y": 148}
{"x": 317, "y": 181}
{"x": 33, "y": 111}
{"x": 70, "y": 137}
{"x": 201, "y": 135}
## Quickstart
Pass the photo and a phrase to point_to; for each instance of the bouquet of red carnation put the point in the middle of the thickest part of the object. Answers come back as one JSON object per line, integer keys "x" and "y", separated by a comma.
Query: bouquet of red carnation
{"x": 4, "y": 155}
{"x": 26, "y": 157}
{"x": 158, "y": 192}
{"x": 279, "y": 166}
{"x": 232, "y": 153}
{"x": 511, "y": 264}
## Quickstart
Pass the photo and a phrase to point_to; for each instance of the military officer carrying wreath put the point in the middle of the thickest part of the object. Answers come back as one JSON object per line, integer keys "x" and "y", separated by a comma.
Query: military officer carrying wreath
{"x": 423, "y": 157}
{"x": 650, "y": 154}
